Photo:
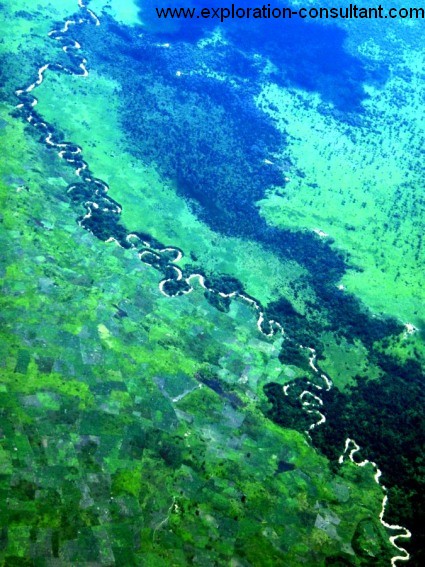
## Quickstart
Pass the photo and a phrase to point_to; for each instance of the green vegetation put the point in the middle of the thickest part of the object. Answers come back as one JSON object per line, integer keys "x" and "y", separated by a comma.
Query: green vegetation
{"x": 98, "y": 462}
{"x": 359, "y": 182}
{"x": 143, "y": 429}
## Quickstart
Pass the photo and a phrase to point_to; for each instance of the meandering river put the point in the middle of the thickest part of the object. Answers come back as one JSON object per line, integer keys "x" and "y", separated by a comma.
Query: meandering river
{"x": 101, "y": 204}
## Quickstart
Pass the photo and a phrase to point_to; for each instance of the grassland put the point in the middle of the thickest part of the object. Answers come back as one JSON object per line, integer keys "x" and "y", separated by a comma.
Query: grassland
{"x": 360, "y": 180}
{"x": 98, "y": 462}
{"x": 113, "y": 449}
{"x": 150, "y": 203}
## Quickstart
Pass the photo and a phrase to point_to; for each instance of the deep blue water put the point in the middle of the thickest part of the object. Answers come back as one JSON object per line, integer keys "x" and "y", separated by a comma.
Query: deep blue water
{"x": 310, "y": 54}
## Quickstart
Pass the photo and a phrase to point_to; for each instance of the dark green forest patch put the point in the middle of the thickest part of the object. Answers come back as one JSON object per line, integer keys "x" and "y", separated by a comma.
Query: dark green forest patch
{"x": 195, "y": 130}
{"x": 385, "y": 417}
